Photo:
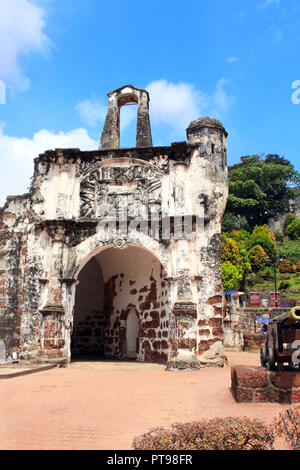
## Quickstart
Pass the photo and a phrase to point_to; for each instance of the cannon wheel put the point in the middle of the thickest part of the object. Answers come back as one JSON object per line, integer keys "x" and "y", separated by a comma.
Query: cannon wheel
{"x": 270, "y": 363}
{"x": 263, "y": 356}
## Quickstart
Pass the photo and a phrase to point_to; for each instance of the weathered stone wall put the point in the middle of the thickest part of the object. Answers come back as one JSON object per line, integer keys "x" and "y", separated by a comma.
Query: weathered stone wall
{"x": 244, "y": 319}
{"x": 233, "y": 339}
{"x": 49, "y": 236}
{"x": 16, "y": 275}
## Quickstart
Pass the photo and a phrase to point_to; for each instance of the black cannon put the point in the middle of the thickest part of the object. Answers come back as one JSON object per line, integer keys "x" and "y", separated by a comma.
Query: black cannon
{"x": 282, "y": 347}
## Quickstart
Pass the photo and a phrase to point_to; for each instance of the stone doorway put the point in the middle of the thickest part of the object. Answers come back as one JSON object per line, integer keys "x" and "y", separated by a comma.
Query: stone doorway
{"x": 89, "y": 321}
{"x": 121, "y": 307}
{"x": 132, "y": 335}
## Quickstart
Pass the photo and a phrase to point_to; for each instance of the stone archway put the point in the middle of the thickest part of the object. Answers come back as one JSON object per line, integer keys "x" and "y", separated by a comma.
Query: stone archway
{"x": 121, "y": 306}
{"x": 110, "y": 138}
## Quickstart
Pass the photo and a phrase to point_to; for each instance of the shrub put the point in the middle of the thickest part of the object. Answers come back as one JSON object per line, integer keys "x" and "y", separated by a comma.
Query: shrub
{"x": 286, "y": 267}
{"x": 257, "y": 257}
{"x": 279, "y": 237}
{"x": 288, "y": 220}
{"x": 268, "y": 273}
{"x": 298, "y": 267}
{"x": 233, "y": 250}
{"x": 230, "y": 250}
{"x": 231, "y": 276}
{"x": 284, "y": 285}
{"x": 245, "y": 261}
{"x": 263, "y": 236}
{"x": 293, "y": 230}
{"x": 230, "y": 433}
{"x": 240, "y": 236}
{"x": 252, "y": 279}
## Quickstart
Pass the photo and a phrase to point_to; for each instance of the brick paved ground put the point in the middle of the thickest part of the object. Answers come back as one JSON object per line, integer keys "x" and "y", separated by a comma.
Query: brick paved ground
{"x": 104, "y": 406}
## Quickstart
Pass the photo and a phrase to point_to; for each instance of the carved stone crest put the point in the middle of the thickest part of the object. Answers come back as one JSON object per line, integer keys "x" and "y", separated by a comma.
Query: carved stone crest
{"x": 120, "y": 243}
{"x": 109, "y": 191}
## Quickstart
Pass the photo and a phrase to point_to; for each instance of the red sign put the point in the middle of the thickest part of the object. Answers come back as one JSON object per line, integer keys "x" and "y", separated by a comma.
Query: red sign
{"x": 254, "y": 299}
{"x": 273, "y": 296}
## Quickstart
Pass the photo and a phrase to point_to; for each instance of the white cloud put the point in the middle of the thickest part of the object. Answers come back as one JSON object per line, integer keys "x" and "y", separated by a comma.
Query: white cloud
{"x": 176, "y": 104}
{"x": 232, "y": 59}
{"x": 171, "y": 104}
{"x": 179, "y": 104}
{"x": 17, "y": 154}
{"x": 269, "y": 3}
{"x": 221, "y": 100}
{"x": 22, "y": 25}
{"x": 91, "y": 112}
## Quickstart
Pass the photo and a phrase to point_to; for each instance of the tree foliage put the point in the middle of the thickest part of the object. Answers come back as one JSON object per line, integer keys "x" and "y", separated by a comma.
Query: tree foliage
{"x": 290, "y": 250}
{"x": 285, "y": 266}
{"x": 234, "y": 251}
{"x": 230, "y": 251}
{"x": 263, "y": 236}
{"x": 293, "y": 230}
{"x": 287, "y": 221}
{"x": 231, "y": 276}
{"x": 259, "y": 188}
{"x": 258, "y": 257}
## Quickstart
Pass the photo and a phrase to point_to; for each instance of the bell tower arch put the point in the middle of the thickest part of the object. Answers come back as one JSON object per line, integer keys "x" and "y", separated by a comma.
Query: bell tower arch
{"x": 110, "y": 138}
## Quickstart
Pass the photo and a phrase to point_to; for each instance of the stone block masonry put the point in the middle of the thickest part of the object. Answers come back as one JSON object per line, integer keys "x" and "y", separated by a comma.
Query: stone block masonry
{"x": 117, "y": 252}
{"x": 257, "y": 385}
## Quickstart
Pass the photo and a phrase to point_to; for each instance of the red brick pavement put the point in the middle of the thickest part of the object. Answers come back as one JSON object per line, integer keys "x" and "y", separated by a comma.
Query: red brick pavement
{"x": 84, "y": 407}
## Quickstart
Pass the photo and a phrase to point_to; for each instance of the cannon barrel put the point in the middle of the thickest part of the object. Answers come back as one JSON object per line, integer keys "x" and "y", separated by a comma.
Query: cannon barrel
{"x": 290, "y": 317}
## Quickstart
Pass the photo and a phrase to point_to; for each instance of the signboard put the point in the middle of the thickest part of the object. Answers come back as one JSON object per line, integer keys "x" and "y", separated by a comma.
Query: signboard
{"x": 273, "y": 299}
{"x": 254, "y": 299}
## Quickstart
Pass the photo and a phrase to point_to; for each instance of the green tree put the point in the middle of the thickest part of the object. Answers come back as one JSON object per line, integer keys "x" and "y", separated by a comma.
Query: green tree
{"x": 263, "y": 236}
{"x": 293, "y": 230}
{"x": 240, "y": 236}
{"x": 230, "y": 251}
{"x": 241, "y": 239}
{"x": 259, "y": 188}
{"x": 234, "y": 222}
{"x": 231, "y": 276}
{"x": 258, "y": 257}
{"x": 288, "y": 220}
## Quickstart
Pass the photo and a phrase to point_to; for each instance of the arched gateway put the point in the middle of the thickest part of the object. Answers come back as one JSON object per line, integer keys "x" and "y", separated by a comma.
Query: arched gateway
{"x": 121, "y": 306}
{"x": 116, "y": 252}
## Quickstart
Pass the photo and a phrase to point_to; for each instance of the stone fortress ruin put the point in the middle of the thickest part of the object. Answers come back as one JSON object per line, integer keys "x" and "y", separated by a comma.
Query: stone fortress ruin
{"x": 115, "y": 252}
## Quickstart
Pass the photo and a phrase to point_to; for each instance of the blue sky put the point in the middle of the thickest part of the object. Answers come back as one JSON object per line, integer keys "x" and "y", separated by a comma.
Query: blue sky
{"x": 234, "y": 60}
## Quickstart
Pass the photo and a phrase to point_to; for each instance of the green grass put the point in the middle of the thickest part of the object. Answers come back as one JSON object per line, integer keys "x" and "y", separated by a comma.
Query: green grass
{"x": 290, "y": 250}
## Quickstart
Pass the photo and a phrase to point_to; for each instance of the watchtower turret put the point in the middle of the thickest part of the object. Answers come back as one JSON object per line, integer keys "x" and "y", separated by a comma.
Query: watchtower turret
{"x": 211, "y": 136}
